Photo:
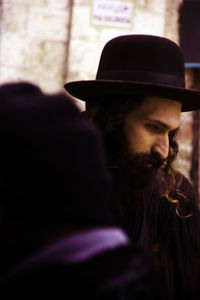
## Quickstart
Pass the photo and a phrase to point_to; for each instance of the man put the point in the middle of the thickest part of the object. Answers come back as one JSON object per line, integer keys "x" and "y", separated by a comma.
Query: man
{"x": 57, "y": 236}
{"x": 136, "y": 100}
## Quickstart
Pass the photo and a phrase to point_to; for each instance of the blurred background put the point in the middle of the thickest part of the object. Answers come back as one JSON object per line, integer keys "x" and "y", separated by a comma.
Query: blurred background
{"x": 51, "y": 42}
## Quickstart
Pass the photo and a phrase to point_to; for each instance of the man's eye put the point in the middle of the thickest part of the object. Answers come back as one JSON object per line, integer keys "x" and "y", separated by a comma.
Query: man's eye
{"x": 152, "y": 127}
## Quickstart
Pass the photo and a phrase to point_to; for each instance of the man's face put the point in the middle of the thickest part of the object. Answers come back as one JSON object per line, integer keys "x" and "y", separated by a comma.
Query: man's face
{"x": 147, "y": 128}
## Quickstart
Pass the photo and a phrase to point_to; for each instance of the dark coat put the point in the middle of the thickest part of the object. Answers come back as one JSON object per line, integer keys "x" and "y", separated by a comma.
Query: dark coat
{"x": 63, "y": 270}
{"x": 172, "y": 242}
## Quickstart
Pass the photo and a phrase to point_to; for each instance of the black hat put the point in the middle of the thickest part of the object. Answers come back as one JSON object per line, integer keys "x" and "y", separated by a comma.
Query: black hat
{"x": 138, "y": 65}
{"x": 52, "y": 163}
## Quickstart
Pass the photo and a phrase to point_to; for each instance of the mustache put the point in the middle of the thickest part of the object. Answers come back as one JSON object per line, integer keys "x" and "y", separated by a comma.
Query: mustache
{"x": 147, "y": 161}
{"x": 153, "y": 160}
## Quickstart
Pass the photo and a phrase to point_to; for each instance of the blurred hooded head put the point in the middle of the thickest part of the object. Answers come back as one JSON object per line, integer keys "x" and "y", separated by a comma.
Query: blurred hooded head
{"x": 52, "y": 164}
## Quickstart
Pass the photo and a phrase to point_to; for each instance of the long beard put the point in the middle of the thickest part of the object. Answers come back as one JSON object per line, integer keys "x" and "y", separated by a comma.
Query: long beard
{"x": 137, "y": 179}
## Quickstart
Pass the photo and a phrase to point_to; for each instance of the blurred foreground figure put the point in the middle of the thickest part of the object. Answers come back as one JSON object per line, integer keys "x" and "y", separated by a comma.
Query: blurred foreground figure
{"x": 57, "y": 236}
{"x": 136, "y": 101}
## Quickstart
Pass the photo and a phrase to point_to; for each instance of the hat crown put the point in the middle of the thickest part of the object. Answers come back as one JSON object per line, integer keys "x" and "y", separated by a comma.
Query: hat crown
{"x": 140, "y": 58}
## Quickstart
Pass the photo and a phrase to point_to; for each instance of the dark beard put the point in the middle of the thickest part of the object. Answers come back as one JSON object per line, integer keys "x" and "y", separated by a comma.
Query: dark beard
{"x": 141, "y": 166}
{"x": 137, "y": 178}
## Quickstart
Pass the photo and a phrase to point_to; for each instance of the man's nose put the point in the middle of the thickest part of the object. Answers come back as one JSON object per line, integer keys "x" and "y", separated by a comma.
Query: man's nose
{"x": 162, "y": 146}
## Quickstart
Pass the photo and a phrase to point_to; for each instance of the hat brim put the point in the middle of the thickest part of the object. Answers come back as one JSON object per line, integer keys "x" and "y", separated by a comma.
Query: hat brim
{"x": 95, "y": 90}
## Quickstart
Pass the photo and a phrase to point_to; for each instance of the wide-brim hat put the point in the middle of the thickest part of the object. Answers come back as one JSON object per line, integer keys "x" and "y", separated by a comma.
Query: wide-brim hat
{"x": 143, "y": 65}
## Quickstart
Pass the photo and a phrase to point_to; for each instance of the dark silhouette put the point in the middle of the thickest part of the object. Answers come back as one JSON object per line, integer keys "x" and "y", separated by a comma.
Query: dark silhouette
{"x": 136, "y": 101}
{"x": 57, "y": 233}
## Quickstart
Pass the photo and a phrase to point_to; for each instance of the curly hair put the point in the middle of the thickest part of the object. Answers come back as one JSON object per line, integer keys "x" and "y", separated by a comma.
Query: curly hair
{"x": 109, "y": 117}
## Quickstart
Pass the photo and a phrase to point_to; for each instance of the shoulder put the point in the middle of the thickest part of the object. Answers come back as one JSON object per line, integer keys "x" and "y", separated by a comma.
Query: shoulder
{"x": 105, "y": 276}
{"x": 188, "y": 204}
{"x": 181, "y": 199}
{"x": 186, "y": 186}
{"x": 184, "y": 190}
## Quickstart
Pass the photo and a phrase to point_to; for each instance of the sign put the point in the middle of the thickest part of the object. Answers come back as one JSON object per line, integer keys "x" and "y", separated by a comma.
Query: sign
{"x": 113, "y": 13}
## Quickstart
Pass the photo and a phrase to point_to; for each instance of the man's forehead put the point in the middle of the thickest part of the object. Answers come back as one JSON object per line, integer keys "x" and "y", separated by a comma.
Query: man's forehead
{"x": 162, "y": 110}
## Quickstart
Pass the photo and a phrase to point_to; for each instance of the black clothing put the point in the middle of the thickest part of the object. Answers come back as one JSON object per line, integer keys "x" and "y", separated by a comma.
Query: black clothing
{"x": 173, "y": 242}
{"x": 95, "y": 264}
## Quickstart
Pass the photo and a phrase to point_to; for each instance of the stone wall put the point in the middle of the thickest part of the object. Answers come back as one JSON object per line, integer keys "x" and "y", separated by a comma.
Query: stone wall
{"x": 50, "y": 42}
{"x": 35, "y": 35}
{"x": 34, "y": 42}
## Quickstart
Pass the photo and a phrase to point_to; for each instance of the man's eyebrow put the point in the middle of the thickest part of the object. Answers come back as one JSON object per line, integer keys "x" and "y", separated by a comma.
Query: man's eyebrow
{"x": 162, "y": 124}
